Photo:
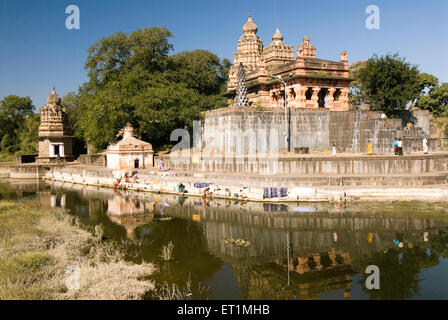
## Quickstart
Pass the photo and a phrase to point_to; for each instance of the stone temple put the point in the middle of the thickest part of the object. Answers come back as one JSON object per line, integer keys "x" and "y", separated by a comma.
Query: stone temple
{"x": 311, "y": 82}
{"x": 318, "y": 114}
{"x": 55, "y": 135}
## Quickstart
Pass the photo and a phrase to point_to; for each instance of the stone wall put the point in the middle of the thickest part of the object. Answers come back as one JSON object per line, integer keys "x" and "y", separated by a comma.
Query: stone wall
{"x": 236, "y": 129}
{"x": 306, "y": 165}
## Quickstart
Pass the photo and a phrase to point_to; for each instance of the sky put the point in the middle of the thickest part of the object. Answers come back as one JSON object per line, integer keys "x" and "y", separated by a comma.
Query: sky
{"x": 38, "y": 52}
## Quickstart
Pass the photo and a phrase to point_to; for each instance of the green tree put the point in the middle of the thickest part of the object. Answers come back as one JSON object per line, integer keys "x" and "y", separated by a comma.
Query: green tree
{"x": 436, "y": 100}
{"x": 388, "y": 83}
{"x": 14, "y": 112}
{"x": 132, "y": 78}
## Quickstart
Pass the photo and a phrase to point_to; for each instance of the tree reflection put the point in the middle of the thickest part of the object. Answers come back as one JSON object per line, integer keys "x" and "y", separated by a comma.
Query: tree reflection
{"x": 400, "y": 268}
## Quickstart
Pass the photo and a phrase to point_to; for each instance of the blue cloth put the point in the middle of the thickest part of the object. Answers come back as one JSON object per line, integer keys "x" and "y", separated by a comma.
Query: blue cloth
{"x": 201, "y": 185}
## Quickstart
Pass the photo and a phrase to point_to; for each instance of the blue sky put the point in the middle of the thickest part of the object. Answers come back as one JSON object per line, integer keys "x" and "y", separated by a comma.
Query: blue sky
{"x": 37, "y": 51}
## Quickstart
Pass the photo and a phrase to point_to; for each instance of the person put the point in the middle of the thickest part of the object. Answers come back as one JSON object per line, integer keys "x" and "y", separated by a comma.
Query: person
{"x": 400, "y": 147}
{"x": 369, "y": 148}
{"x": 396, "y": 146}
{"x": 207, "y": 193}
{"x": 161, "y": 165}
{"x": 425, "y": 145}
{"x": 334, "y": 150}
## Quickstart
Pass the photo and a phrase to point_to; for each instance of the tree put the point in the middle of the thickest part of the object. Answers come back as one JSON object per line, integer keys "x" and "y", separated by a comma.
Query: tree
{"x": 132, "y": 78}
{"x": 389, "y": 83}
{"x": 436, "y": 100}
{"x": 14, "y": 112}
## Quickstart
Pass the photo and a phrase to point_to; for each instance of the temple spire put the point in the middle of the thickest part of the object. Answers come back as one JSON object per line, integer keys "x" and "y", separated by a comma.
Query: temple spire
{"x": 241, "y": 89}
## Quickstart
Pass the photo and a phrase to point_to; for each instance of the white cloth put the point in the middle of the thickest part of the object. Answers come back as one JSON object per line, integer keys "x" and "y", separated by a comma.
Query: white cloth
{"x": 425, "y": 145}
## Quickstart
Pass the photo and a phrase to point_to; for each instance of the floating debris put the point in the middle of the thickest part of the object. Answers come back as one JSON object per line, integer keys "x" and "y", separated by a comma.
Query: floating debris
{"x": 164, "y": 219}
{"x": 238, "y": 242}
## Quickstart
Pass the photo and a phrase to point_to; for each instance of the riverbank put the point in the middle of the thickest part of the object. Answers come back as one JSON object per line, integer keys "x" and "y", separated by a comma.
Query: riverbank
{"x": 47, "y": 255}
{"x": 317, "y": 188}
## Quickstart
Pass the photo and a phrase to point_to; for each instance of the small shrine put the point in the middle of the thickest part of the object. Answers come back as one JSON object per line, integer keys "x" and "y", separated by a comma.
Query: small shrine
{"x": 55, "y": 135}
{"x": 129, "y": 152}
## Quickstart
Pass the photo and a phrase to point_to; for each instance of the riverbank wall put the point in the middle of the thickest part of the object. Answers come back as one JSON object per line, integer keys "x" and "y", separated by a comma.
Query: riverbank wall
{"x": 274, "y": 188}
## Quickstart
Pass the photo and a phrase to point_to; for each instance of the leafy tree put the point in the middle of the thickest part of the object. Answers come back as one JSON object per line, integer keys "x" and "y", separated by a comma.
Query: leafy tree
{"x": 14, "y": 114}
{"x": 389, "y": 83}
{"x": 132, "y": 78}
{"x": 357, "y": 97}
{"x": 436, "y": 100}
{"x": 28, "y": 136}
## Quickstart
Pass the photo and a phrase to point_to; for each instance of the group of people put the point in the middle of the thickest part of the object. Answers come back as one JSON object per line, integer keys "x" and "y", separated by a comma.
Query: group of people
{"x": 398, "y": 147}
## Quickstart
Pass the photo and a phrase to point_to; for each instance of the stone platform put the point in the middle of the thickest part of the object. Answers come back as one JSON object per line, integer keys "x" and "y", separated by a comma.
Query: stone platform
{"x": 305, "y": 165}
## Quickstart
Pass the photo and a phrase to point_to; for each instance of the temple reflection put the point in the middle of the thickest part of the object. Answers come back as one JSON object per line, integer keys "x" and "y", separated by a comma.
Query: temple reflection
{"x": 296, "y": 251}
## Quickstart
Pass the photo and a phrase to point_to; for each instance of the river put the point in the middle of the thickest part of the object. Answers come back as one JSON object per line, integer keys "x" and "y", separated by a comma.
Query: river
{"x": 293, "y": 251}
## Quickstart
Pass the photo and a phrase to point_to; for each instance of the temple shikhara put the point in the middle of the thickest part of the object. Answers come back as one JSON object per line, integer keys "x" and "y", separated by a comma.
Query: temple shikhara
{"x": 55, "y": 135}
{"x": 311, "y": 82}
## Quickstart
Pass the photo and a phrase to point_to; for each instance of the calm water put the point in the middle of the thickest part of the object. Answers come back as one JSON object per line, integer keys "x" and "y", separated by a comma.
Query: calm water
{"x": 297, "y": 251}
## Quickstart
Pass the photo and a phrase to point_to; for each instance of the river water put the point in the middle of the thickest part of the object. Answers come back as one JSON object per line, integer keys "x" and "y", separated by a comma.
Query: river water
{"x": 294, "y": 251}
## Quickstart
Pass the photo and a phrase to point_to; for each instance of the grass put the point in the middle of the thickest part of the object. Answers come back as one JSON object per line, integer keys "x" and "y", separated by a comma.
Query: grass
{"x": 167, "y": 252}
{"x": 37, "y": 246}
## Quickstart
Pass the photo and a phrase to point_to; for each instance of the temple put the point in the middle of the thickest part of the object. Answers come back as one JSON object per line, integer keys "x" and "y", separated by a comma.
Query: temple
{"x": 311, "y": 82}
{"x": 55, "y": 136}
{"x": 129, "y": 152}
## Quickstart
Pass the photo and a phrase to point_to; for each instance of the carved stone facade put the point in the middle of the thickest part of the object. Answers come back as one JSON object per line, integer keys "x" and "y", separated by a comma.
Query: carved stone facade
{"x": 55, "y": 136}
{"x": 311, "y": 82}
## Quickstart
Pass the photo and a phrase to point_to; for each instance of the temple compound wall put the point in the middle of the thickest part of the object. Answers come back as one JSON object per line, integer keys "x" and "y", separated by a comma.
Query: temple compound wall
{"x": 251, "y": 130}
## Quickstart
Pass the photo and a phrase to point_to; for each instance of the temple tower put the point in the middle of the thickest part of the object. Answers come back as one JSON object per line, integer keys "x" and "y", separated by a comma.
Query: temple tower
{"x": 55, "y": 136}
{"x": 278, "y": 52}
{"x": 250, "y": 50}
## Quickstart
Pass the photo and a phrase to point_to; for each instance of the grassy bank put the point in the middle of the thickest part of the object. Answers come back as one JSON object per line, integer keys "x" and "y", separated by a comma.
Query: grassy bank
{"x": 38, "y": 247}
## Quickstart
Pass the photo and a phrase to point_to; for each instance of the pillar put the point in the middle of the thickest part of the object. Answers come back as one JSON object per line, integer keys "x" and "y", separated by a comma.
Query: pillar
{"x": 300, "y": 96}
{"x": 332, "y": 256}
{"x": 315, "y": 97}
{"x": 52, "y": 150}
{"x": 330, "y": 98}
{"x": 317, "y": 261}
{"x": 303, "y": 266}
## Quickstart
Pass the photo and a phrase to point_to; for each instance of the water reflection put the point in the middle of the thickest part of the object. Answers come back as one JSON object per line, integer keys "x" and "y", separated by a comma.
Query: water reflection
{"x": 297, "y": 251}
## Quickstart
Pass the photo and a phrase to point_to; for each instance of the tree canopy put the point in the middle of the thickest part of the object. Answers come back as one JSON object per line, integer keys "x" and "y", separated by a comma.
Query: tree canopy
{"x": 18, "y": 125}
{"x": 387, "y": 82}
{"x": 132, "y": 78}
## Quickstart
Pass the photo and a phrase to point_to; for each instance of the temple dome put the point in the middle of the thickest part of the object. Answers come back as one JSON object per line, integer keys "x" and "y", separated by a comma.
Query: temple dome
{"x": 277, "y": 36}
{"x": 250, "y": 26}
{"x": 53, "y": 98}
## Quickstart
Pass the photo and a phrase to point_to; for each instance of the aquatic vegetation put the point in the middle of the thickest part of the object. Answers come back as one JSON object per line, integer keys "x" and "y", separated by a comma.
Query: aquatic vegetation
{"x": 238, "y": 242}
{"x": 167, "y": 251}
{"x": 166, "y": 291}
{"x": 163, "y": 219}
